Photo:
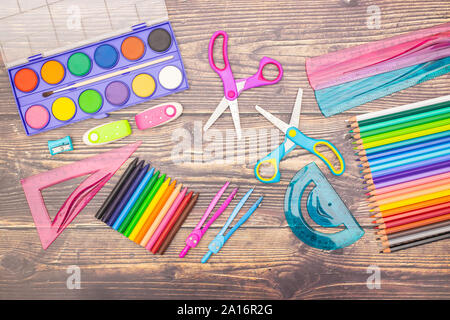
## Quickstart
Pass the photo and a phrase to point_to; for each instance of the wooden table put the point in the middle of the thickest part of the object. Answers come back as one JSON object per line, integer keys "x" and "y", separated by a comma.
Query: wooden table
{"x": 263, "y": 260}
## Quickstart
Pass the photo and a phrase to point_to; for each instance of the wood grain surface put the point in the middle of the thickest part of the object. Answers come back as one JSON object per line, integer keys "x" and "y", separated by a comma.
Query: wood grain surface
{"x": 264, "y": 259}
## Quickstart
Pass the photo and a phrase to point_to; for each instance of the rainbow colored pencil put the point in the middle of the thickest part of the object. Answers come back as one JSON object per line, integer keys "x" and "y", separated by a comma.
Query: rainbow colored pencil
{"x": 404, "y": 155}
{"x": 147, "y": 198}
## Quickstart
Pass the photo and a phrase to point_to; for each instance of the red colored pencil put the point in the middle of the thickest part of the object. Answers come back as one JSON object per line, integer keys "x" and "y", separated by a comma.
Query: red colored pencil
{"x": 413, "y": 206}
{"x": 180, "y": 209}
{"x": 164, "y": 238}
{"x": 439, "y": 207}
{"x": 407, "y": 220}
{"x": 414, "y": 225}
{"x": 413, "y": 212}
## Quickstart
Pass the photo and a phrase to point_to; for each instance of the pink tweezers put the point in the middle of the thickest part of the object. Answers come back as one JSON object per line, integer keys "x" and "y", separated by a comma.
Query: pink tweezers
{"x": 196, "y": 235}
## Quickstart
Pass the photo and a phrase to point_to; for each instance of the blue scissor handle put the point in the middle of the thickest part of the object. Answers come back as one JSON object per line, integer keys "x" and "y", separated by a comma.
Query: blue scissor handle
{"x": 311, "y": 145}
{"x": 274, "y": 158}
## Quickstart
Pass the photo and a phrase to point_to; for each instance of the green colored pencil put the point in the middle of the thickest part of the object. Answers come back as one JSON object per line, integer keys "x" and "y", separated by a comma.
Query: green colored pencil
{"x": 138, "y": 203}
{"x": 144, "y": 206}
{"x": 404, "y": 131}
{"x": 406, "y": 143}
{"x": 408, "y": 136}
{"x": 371, "y": 118}
{"x": 396, "y": 124}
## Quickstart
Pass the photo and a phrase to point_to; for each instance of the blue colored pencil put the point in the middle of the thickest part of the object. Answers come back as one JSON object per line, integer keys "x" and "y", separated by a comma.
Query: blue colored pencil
{"x": 422, "y": 145}
{"x": 122, "y": 191}
{"x": 134, "y": 184}
{"x": 410, "y": 176}
{"x": 410, "y": 166}
{"x": 404, "y": 170}
{"x": 412, "y": 157}
{"x": 133, "y": 199}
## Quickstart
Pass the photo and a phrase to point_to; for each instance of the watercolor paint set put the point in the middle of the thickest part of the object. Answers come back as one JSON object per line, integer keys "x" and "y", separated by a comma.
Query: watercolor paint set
{"x": 117, "y": 69}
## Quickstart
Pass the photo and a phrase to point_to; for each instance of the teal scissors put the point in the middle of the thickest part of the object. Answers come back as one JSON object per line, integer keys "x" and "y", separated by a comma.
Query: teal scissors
{"x": 293, "y": 138}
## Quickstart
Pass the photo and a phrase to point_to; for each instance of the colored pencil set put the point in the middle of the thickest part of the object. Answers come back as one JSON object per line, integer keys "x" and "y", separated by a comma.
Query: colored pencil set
{"x": 404, "y": 153}
{"x": 146, "y": 207}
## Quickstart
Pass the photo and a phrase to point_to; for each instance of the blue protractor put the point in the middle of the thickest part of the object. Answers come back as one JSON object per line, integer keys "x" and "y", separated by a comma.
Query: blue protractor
{"x": 325, "y": 208}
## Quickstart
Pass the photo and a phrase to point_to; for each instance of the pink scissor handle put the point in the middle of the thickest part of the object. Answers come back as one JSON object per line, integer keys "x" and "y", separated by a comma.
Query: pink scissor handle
{"x": 258, "y": 79}
{"x": 229, "y": 84}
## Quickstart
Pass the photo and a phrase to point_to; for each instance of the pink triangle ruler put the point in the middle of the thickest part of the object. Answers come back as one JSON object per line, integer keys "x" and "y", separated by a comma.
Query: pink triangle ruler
{"x": 100, "y": 169}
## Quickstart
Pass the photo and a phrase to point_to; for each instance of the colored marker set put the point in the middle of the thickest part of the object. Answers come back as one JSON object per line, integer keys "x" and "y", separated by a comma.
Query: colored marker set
{"x": 147, "y": 207}
{"x": 405, "y": 158}
{"x": 218, "y": 242}
{"x": 91, "y": 80}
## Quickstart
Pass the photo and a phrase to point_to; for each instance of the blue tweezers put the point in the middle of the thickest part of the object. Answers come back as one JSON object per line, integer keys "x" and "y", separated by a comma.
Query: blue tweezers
{"x": 217, "y": 243}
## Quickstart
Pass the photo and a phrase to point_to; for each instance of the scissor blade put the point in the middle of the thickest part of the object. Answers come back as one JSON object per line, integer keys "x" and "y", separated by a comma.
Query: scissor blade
{"x": 295, "y": 117}
{"x": 235, "y": 115}
{"x": 240, "y": 84}
{"x": 221, "y": 107}
{"x": 283, "y": 126}
{"x": 288, "y": 145}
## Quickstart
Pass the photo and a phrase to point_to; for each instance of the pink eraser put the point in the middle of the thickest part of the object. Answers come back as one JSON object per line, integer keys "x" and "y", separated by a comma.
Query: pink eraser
{"x": 158, "y": 115}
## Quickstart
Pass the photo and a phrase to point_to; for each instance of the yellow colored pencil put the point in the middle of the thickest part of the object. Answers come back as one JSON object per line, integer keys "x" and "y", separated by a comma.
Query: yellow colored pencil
{"x": 409, "y": 195}
{"x": 418, "y": 199}
{"x": 155, "y": 223}
{"x": 408, "y": 136}
{"x": 149, "y": 209}
{"x": 155, "y": 211}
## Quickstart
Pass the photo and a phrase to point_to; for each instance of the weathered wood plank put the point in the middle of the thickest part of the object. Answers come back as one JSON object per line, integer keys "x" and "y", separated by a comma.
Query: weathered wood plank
{"x": 113, "y": 267}
{"x": 263, "y": 260}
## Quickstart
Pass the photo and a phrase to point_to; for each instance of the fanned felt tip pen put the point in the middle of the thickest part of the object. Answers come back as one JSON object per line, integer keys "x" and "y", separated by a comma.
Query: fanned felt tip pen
{"x": 120, "y": 194}
{"x": 116, "y": 189}
{"x": 126, "y": 197}
{"x": 218, "y": 242}
{"x": 133, "y": 199}
{"x": 174, "y": 225}
{"x": 196, "y": 235}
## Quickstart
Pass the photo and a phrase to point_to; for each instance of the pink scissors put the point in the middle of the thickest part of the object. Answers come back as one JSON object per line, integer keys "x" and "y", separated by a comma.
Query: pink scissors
{"x": 233, "y": 88}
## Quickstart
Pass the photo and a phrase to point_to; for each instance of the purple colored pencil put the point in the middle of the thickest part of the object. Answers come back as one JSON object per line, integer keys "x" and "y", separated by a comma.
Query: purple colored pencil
{"x": 410, "y": 177}
{"x": 413, "y": 172}
{"x": 410, "y": 166}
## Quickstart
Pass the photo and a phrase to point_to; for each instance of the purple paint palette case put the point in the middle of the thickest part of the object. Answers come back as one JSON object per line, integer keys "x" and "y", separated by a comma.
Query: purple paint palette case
{"x": 98, "y": 77}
